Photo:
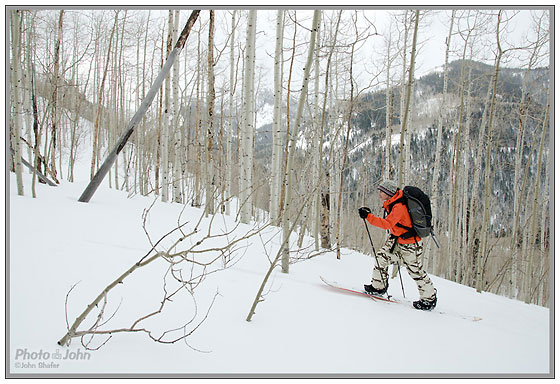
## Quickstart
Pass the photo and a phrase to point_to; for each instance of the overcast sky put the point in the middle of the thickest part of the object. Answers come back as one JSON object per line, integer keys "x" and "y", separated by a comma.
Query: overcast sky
{"x": 432, "y": 36}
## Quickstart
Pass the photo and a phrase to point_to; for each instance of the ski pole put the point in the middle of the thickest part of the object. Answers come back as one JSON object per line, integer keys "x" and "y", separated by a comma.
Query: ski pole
{"x": 374, "y": 253}
{"x": 400, "y": 277}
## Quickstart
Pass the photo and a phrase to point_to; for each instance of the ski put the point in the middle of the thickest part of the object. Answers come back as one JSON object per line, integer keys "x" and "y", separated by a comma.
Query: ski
{"x": 334, "y": 284}
{"x": 390, "y": 299}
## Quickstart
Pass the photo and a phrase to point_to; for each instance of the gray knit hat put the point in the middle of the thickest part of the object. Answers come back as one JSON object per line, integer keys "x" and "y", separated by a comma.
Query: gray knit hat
{"x": 389, "y": 187}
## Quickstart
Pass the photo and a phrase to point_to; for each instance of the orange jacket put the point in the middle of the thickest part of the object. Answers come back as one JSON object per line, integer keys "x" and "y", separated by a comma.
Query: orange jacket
{"x": 399, "y": 214}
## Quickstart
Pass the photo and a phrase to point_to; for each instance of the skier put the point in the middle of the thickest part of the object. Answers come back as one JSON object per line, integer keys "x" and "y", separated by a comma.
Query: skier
{"x": 408, "y": 249}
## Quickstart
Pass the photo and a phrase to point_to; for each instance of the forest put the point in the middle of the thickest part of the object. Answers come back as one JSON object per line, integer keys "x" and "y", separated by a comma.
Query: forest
{"x": 293, "y": 117}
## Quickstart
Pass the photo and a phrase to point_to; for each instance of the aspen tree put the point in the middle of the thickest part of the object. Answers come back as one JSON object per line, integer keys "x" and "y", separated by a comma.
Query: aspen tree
{"x": 175, "y": 127}
{"x": 290, "y": 166}
{"x": 15, "y": 26}
{"x": 388, "y": 168}
{"x": 229, "y": 131}
{"x": 487, "y": 173}
{"x": 145, "y": 144}
{"x": 407, "y": 105}
{"x": 75, "y": 113}
{"x": 452, "y": 249}
{"x": 345, "y": 151}
{"x": 109, "y": 160}
{"x": 435, "y": 193}
{"x": 277, "y": 120}
{"x": 26, "y": 41}
{"x": 36, "y": 128}
{"x": 96, "y": 139}
{"x": 519, "y": 193}
{"x": 54, "y": 99}
{"x": 210, "y": 182}
{"x": 247, "y": 128}
{"x": 324, "y": 192}
{"x": 533, "y": 232}
{"x": 317, "y": 147}
{"x": 474, "y": 231}
{"x": 166, "y": 119}
{"x": 467, "y": 181}
{"x": 198, "y": 127}
{"x": 159, "y": 123}
{"x": 284, "y": 182}
{"x": 402, "y": 96}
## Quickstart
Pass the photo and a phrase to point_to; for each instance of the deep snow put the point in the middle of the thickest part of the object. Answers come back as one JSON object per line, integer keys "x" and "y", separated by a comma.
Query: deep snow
{"x": 303, "y": 326}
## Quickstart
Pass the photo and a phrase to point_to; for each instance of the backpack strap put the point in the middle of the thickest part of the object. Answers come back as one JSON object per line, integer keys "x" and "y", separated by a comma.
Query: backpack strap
{"x": 410, "y": 232}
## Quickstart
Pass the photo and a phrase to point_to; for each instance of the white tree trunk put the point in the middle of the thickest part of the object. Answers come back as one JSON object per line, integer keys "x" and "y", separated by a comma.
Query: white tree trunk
{"x": 165, "y": 131}
{"x": 487, "y": 172}
{"x": 387, "y": 170}
{"x": 437, "y": 163}
{"x": 530, "y": 270}
{"x": 176, "y": 131}
{"x": 291, "y": 168}
{"x": 317, "y": 148}
{"x": 229, "y": 131}
{"x": 210, "y": 179}
{"x": 15, "y": 27}
{"x": 247, "y": 128}
{"x": 277, "y": 120}
{"x": 405, "y": 134}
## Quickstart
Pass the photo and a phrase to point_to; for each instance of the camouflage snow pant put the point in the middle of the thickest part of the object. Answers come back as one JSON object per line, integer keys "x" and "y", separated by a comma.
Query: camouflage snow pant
{"x": 411, "y": 256}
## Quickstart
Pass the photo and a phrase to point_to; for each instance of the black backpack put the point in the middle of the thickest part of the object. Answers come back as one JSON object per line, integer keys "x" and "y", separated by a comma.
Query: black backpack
{"x": 420, "y": 210}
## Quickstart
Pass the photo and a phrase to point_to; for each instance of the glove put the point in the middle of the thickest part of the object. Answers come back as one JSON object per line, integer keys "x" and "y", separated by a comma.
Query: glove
{"x": 364, "y": 212}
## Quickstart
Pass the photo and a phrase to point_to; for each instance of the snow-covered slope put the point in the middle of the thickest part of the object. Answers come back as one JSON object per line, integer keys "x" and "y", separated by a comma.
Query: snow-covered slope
{"x": 303, "y": 326}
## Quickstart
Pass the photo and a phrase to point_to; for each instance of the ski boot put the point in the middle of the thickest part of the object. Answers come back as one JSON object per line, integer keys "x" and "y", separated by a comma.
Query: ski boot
{"x": 374, "y": 291}
{"x": 424, "y": 304}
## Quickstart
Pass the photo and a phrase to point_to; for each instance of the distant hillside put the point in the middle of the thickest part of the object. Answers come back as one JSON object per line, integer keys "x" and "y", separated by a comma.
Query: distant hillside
{"x": 368, "y": 132}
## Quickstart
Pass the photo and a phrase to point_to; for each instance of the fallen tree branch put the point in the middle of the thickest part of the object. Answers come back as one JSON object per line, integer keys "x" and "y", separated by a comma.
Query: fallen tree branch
{"x": 176, "y": 259}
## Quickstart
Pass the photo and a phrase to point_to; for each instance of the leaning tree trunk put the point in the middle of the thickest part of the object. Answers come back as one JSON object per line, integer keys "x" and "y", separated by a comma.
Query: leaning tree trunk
{"x": 98, "y": 178}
